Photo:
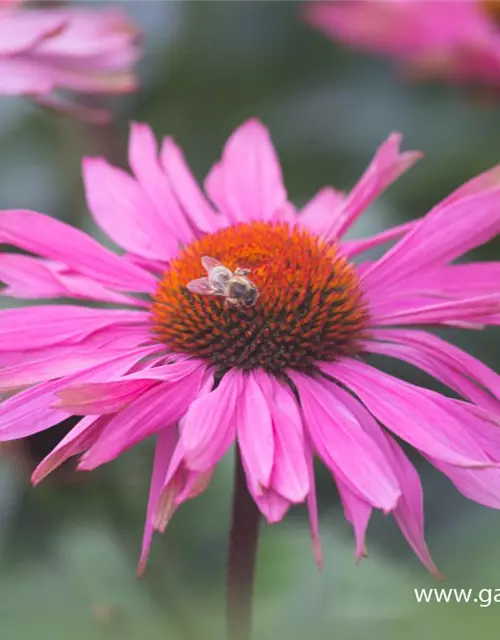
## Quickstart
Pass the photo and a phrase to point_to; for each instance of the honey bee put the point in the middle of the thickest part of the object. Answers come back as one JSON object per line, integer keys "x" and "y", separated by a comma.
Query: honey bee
{"x": 235, "y": 287}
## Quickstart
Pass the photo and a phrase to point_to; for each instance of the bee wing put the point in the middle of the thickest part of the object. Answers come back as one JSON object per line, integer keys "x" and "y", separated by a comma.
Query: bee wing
{"x": 210, "y": 263}
{"x": 201, "y": 286}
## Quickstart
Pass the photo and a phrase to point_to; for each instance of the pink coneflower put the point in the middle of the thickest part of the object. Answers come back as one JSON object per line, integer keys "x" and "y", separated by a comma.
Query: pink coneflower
{"x": 454, "y": 39}
{"x": 43, "y": 51}
{"x": 201, "y": 363}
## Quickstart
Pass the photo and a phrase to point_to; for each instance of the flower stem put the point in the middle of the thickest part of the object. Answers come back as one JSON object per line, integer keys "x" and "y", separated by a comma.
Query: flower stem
{"x": 243, "y": 540}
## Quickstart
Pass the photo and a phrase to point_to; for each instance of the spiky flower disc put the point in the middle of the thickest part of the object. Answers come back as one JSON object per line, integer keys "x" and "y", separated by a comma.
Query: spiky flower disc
{"x": 309, "y": 308}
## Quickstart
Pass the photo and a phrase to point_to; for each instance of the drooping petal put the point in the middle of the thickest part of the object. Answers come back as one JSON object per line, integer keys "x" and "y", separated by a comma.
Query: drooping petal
{"x": 209, "y": 426}
{"x": 33, "y": 410}
{"x": 100, "y": 398}
{"x": 115, "y": 394}
{"x": 453, "y": 378}
{"x": 255, "y": 432}
{"x": 173, "y": 371}
{"x": 160, "y": 406}
{"x": 279, "y": 439}
{"x": 411, "y": 413}
{"x": 195, "y": 483}
{"x": 342, "y": 443}
{"x": 480, "y": 485}
{"x": 53, "y": 239}
{"x": 165, "y": 444}
{"x": 30, "y": 412}
{"x": 358, "y": 513}
{"x": 387, "y": 165}
{"x": 125, "y": 212}
{"x": 144, "y": 162}
{"x": 289, "y": 477}
{"x": 481, "y": 424}
{"x": 247, "y": 184}
{"x": 173, "y": 482}
{"x": 447, "y": 363}
{"x": 272, "y": 505}
{"x": 409, "y": 512}
{"x": 179, "y": 484}
{"x": 77, "y": 440}
{"x": 312, "y": 507}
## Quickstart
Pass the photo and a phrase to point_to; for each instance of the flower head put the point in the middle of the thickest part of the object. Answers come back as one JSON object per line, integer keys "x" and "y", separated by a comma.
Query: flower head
{"x": 43, "y": 51}
{"x": 282, "y": 373}
{"x": 454, "y": 39}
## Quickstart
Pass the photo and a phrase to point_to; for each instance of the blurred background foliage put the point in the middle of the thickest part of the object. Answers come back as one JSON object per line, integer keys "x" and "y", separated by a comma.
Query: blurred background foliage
{"x": 68, "y": 549}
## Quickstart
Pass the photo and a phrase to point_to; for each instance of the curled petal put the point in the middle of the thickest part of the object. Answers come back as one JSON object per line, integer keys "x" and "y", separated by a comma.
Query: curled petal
{"x": 387, "y": 165}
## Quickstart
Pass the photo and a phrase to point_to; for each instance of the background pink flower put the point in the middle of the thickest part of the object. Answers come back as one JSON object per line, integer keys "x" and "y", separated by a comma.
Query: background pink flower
{"x": 454, "y": 39}
{"x": 82, "y": 50}
{"x": 284, "y": 377}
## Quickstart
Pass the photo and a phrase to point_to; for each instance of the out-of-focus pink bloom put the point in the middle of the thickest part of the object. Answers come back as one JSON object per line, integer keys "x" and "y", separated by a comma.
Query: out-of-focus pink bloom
{"x": 283, "y": 376}
{"x": 43, "y": 51}
{"x": 454, "y": 39}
